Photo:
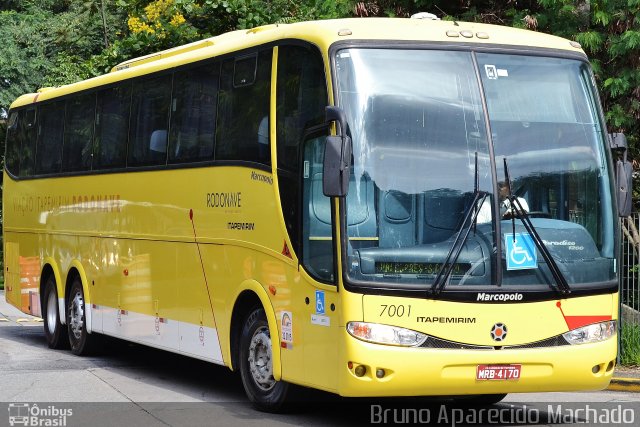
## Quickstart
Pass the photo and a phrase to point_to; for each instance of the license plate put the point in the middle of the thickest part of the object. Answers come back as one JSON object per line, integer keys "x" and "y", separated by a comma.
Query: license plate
{"x": 498, "y": 372}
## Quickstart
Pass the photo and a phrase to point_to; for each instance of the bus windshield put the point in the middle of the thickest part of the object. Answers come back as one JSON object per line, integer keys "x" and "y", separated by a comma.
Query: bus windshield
{"x": 421, "y": 153}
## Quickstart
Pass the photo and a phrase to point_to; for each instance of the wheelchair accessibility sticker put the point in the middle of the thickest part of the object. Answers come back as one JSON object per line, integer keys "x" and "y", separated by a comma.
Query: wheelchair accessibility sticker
{"x": 521, "y": 251}
{"x": 319, "y": 302}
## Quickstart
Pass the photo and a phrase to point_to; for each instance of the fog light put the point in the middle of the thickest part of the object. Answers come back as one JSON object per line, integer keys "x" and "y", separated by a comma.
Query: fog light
{"x": 595, "y": 369}
{"x": 610, "y": 366}
{"x": 360, "y": 370}
{"x": 380, "y": 373}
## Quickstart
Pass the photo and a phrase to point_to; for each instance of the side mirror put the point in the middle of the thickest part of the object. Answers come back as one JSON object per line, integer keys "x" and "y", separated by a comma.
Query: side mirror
{"x": 337, "y": 157}
{"x": 624, "y": 174}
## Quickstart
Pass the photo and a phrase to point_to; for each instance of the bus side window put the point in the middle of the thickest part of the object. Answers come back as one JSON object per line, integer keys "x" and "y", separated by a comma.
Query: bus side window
{"x": 28, "y": 142}
{"x": 78, "y": 133}
{"x": 50, "y": 124}
{"x": 193, "y": 112}
{"x": 12, "y": 159}
{"x": 112, "y": 127}
{"x": 243, "y": 109}
{"x": 149, "y": 122}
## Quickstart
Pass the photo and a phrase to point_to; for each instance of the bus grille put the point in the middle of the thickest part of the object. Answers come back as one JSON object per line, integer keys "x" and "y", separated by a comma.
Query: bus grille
{"x": 439, "y": 343}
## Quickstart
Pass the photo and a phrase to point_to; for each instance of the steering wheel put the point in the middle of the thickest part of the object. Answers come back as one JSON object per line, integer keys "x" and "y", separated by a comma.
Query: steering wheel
{"x": 533, "y": 214}
{"x": 539, "y": 214}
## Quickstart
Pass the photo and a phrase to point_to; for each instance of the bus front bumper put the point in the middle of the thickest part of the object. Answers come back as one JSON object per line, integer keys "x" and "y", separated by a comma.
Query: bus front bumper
{"x": 403, "y": 371}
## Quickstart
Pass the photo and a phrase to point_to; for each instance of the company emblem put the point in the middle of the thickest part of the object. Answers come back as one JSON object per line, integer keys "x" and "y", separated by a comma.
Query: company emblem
{"x": 499, "y": 332}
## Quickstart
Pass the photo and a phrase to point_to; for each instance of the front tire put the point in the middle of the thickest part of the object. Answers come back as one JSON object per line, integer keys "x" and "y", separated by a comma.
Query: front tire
{"x": 54, "y": 331}
{"x": 256, "y": 365}
{"x": 82, "y": 342}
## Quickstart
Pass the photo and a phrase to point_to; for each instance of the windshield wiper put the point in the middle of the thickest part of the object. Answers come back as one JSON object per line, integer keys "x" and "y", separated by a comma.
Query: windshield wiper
{"x": 456, "y": 248}
{"x": 516, "y": 206}
{"x": 449, "y": 262}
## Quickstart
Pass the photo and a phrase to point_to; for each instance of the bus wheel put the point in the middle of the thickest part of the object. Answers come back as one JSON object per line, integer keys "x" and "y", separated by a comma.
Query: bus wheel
{"x": 82, "y": 343}
{"x": 54, "y": 331}
{"x": 256, "y": 365}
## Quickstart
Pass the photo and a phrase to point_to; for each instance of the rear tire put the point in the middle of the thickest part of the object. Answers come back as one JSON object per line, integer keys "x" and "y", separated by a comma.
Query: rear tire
{"x": 82, "y": 342}
{"x": 256, "y": 365}
{"x": 54, "y": 331}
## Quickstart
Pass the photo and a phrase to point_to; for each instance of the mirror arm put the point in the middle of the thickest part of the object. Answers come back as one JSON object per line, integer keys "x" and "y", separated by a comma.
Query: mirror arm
{"x": 336, "y": 114}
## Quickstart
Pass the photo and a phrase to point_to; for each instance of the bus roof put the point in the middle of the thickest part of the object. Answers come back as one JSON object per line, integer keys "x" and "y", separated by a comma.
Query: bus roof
{"x": 323, "y": 34}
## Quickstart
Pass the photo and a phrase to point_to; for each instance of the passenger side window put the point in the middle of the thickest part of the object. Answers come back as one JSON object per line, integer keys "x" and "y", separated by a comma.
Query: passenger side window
{"x": 12, "y": 159}
{"x": 78, "y": 133}
{"x": 50, "y": 126}
{"x": 27, "y": 138}
{"x": 149, "y": 122}
{"x": 112, "y": 127}
{"x": 193, "y": 114}
{"x": 243, "y": 109}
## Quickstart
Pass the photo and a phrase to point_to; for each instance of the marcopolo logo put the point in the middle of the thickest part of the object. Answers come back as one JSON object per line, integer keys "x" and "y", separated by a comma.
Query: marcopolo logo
{"x": 26, "y": 414}
{"x": 499, "y": 297}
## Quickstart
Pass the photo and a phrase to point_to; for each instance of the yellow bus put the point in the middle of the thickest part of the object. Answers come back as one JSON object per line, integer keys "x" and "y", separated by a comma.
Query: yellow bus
{"x": 370, "y": 207}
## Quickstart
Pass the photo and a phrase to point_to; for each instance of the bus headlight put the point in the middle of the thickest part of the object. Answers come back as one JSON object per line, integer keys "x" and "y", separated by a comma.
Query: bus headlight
{"x": 591, "y": 333}
{"x": 385, "y": 334}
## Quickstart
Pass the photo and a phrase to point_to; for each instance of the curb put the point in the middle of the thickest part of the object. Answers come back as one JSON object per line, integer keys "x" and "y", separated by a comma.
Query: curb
{"x": 625, "y": 384}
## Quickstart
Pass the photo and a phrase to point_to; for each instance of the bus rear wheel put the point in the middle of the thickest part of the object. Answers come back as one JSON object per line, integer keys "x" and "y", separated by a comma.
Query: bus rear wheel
{"x": 54, "y": 331}
{"x": 256, "y": 364}
{"x": 82, "y": 342}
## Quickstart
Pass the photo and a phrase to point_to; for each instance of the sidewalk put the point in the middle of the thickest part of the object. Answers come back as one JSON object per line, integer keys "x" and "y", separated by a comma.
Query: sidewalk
{"x": 9, "y": 315}
{"x": 626, "y": 379}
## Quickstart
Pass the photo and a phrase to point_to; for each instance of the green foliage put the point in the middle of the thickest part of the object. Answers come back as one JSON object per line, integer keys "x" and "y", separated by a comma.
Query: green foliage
{"x": 590, "y": 40}
{"x": 161, "y": 24}
{"x": 49, "y": 42}
{"x": 630, "y": 345}
{"x": 23, "y": 54}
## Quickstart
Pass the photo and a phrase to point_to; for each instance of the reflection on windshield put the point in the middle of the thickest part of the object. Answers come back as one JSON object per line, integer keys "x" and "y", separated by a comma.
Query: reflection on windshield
{"x": 417, "y": 123}
{"x": 544, "y": 120}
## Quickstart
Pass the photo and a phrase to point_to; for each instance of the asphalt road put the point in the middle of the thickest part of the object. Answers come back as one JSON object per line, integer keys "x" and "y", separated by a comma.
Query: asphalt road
{"x": 130, "y": 385}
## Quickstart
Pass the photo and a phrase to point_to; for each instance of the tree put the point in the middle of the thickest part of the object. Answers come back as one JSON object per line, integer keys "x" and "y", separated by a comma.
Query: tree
{"x": 161, "y": 24}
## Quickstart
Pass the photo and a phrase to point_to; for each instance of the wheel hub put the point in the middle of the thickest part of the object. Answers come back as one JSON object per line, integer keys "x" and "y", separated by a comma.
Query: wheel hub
{"x": 52, "y": 310}
{"x": 260, "y": 363}
{"x": 76, "y": 315}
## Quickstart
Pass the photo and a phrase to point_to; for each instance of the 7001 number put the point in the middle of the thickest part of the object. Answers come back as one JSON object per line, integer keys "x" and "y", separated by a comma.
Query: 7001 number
{"x": 393, "y": 310}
